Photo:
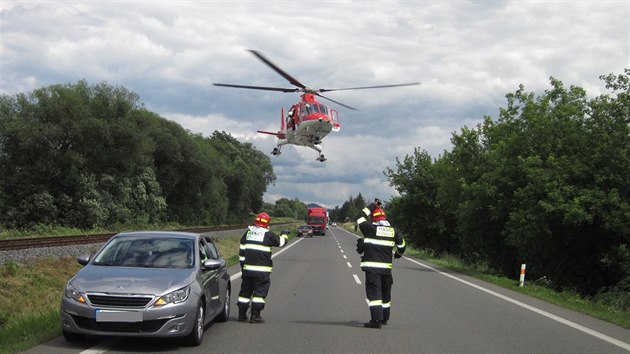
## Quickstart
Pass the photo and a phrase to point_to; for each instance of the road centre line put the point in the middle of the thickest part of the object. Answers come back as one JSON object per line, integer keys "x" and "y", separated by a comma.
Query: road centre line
{"x": 356, "y": 278}
{"x": 349, "y": 265}
{"x": 551, "y": 316}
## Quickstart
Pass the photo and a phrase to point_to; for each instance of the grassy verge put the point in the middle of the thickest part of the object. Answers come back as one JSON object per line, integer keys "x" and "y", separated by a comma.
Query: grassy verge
{"x": 30, "y": 294}
{"x": 29, "y": 301}
{"x": 567, "y": 299}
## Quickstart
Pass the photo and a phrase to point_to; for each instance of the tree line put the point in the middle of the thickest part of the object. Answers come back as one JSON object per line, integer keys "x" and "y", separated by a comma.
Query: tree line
{"x": 89, "y": 156}
{"x": 546, "y": 184}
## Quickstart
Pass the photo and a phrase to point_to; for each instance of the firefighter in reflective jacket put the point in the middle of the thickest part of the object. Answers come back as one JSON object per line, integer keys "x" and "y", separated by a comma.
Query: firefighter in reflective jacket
{"x": 378, "y": 242}
{"x": 256, "y": 267}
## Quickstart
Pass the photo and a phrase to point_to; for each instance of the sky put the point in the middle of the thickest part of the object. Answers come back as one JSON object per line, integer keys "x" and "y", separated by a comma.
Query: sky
{"x": 467, "y": 55}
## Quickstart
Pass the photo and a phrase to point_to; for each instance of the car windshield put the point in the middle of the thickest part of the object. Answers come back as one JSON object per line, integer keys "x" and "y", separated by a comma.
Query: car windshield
{"x": 129, "y": 251}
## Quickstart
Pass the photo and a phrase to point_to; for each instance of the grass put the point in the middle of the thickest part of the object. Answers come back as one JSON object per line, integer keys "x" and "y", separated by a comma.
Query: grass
{"x": 30, "y": 294}
{"x": 567, "y": 299}
{"x": 29, "y": 301}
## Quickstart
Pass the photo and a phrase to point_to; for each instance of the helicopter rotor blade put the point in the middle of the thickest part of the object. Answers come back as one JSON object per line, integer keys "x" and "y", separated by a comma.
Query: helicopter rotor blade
{"x": 337, "y": 102}
{"x": 369, "y": 87}
{"x": 266, "y": 88}
{"x": 289, "y": 78}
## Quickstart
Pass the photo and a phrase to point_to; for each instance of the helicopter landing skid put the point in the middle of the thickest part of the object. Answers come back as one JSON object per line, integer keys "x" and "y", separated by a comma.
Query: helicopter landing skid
{"x": 320, "y": 156}
{"x": 276, "y": 151}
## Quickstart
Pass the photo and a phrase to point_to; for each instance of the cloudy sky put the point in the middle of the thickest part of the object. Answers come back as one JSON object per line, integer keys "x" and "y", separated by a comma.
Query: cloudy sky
{"x": 467, "y": 55}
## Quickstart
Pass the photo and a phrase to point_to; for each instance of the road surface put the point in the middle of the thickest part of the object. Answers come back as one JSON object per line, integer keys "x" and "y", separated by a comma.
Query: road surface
{"x": 317, "y": 305}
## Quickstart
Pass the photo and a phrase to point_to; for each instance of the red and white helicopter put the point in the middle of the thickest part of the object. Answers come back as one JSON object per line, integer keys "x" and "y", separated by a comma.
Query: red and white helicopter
{"x": 307, "y": 121}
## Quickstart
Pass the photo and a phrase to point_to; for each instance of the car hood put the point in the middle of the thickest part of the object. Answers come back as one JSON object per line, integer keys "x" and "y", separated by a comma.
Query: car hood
{"x": 131, "y": 280}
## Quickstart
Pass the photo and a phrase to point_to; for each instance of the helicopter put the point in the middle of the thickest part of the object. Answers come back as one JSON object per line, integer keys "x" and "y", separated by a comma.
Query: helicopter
{"x": 308, "y": 121}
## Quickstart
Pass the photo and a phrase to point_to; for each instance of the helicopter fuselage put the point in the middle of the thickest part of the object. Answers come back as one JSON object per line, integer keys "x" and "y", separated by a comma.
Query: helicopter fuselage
{"x": 308, "y": 121}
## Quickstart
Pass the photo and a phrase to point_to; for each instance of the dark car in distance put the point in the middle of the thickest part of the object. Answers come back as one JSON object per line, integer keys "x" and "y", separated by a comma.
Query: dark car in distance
{"x": 148, "y": 284}
{"x": 305, "y": 231}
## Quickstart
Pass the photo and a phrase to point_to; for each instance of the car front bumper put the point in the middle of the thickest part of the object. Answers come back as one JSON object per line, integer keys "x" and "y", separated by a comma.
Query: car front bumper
{"x": 172, "y": 320}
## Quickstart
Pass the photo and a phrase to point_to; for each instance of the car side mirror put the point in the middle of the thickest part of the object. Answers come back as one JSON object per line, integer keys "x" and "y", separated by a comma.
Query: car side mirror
{"x": 83, "y": 259}
{"x": 212, "y": 264}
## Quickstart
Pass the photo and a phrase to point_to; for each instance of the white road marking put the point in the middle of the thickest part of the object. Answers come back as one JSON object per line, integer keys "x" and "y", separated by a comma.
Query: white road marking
{"x": 102, "y": 347}
{"x": 356, "y": 278}
{"x": 238, "y": 275}
{"x": 564, "y": 321}
{"x": 349, "y": 265}
{"x": 344, "y": 256}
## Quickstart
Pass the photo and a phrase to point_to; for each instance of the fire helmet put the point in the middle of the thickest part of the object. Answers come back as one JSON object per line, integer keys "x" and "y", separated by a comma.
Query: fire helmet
{"x": 262, "y": 220}
{"x": 378, "y": 214}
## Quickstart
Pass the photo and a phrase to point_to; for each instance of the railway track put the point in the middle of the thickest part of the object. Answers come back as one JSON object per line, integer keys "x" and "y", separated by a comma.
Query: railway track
{"x": 55, "y": 241}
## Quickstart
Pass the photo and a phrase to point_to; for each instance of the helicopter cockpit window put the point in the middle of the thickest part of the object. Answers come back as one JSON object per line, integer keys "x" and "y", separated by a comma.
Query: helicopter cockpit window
{"x": 323, "y": 109}
{"x": 308, "y": 109}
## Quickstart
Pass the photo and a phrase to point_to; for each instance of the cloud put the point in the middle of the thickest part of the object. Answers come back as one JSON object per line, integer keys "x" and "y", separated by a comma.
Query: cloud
{"x": 467, "y": 55}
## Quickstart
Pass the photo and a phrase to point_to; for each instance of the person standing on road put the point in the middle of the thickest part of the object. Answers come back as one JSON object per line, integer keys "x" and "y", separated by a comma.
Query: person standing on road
{"x": 256, "y": 267}
{"x": 376, "y": 247}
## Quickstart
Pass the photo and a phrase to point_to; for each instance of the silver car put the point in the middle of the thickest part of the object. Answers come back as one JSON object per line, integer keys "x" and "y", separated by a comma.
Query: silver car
{"x": 148, "y": 284}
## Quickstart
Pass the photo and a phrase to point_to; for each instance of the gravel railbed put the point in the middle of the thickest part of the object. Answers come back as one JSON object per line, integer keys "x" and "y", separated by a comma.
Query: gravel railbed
{"x": 26, "y": 255}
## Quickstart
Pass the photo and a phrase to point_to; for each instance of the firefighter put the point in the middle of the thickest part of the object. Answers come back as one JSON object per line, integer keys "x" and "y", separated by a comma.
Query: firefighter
{"x": 376, "y": 247}
{"x": 256, "y": 267}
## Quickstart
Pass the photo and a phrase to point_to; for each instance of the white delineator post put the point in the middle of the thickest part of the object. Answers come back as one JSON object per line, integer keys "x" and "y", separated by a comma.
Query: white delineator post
{"x": 522, "y": 278}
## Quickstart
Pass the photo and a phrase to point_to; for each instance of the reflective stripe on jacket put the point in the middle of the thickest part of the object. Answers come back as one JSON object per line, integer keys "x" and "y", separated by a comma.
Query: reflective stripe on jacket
{"x": 255, "y": 250}
{"x": 379, "y": 242}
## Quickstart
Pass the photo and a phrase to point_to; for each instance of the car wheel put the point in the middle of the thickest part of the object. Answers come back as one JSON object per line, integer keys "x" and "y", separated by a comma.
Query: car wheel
{"x": 72, "y": 337}
{"x": 225, "y": 314}
{"x": 196, "y": 334}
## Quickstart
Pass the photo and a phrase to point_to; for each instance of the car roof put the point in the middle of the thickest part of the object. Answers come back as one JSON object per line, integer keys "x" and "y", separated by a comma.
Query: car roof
{"x": 160, "y": 234}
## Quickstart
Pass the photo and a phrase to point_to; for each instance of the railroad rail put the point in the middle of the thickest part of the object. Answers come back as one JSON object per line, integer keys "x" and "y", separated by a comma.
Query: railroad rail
{"x": 55, "y": 241}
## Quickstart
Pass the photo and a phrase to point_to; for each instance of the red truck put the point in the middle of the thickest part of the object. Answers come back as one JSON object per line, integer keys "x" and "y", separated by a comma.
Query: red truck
{"x": 318, "y": 219}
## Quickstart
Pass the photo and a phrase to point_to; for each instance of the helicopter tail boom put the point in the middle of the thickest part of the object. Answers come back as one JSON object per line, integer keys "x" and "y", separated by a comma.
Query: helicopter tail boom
{"x": 270, "y": 133}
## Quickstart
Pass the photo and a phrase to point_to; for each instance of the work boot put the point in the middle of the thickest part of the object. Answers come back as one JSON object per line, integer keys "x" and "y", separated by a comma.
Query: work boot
{"x": 255, "y": 317}
{"x": 242, "y": 314}
{"x": 384, "y": 323}
{"x": 372, "y": 324}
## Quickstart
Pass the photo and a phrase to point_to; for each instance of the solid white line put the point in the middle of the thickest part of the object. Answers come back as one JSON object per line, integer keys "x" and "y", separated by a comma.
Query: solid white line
{"x": 564, "y": 321}
{"x": 349, "y": 265}
{"x": 102, "y": 347}
{"x": 238, "y": 275}
{"x": 356, "y": 278}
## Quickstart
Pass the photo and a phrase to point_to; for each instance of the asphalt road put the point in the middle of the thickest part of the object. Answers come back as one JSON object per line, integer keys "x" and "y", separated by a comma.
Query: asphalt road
{"x": 317, "y": 305}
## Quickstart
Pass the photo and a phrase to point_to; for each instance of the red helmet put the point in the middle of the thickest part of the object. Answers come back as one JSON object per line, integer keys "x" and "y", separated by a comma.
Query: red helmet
{"x": 262, "y": 220}
{"x": 378, "y": 214}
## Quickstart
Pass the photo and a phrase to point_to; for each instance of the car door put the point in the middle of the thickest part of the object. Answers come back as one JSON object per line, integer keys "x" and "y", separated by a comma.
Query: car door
{"x": 211, "y": 278}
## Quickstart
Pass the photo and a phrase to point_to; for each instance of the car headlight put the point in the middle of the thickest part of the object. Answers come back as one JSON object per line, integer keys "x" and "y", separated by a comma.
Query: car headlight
{"x": 72, "y": 293}
{"x": 174, "y": 297}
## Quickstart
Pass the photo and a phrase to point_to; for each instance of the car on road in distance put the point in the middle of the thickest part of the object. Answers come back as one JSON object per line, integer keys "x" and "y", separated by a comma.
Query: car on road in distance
{"x": 148, "y": 284}
{"x": 305, "y": 231}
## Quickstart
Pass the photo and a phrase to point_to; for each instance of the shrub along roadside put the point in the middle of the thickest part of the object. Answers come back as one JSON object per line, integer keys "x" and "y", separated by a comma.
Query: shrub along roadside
{"x": 30, "y": 294}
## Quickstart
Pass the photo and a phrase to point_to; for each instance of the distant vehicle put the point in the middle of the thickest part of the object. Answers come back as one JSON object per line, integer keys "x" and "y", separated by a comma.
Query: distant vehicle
{"x": 318, "y": 219}
{"x": 305, "y": 230}
{"x": 148, "y": 284}
{"x": 334, "y": 223}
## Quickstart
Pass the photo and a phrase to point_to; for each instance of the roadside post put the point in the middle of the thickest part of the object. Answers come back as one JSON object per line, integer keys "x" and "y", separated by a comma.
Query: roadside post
{"x": 521, "y": 282}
